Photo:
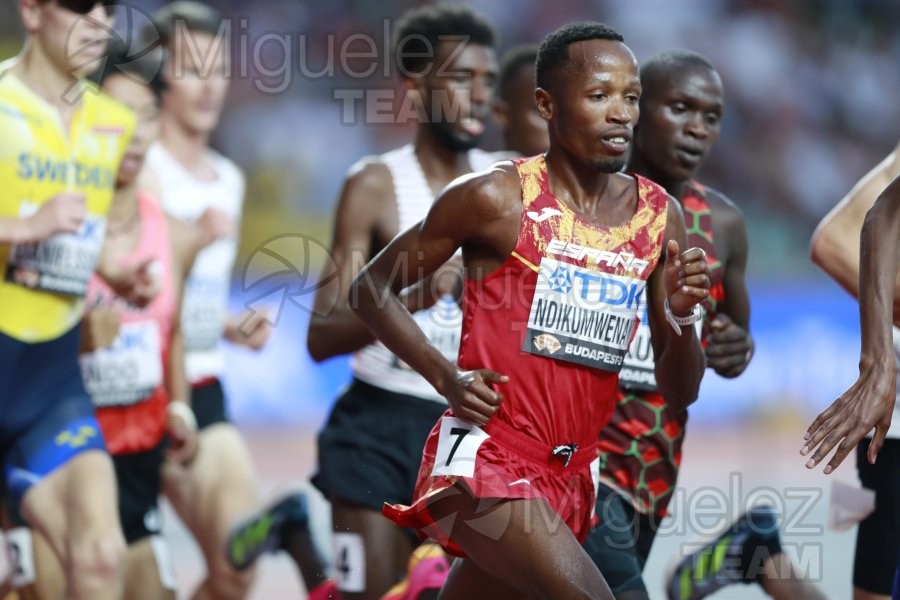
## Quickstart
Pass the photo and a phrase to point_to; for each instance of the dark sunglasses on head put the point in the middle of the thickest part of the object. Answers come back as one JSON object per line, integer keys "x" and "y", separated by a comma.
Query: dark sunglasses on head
{"x": 83, "y": 7}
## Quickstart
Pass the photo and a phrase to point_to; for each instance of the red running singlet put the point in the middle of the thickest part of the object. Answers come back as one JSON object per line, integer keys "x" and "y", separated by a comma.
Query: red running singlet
{"x": 557, "y": 317}
{"x": 127, "y": 379}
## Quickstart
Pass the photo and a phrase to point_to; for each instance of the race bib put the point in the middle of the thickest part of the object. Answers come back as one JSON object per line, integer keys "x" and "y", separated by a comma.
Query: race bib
{"x": 128, "y": 371}
{"x": 20, "y": 545}
{"x": 203, "y": 312}
{"x": 638, "y": 372}
{"x": 458, "y": 446}
{"x": 63, "y": 263}
{"x": 582, "y": 316}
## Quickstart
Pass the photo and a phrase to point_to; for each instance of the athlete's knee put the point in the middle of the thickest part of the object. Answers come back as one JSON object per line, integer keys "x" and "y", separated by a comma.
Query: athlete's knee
{"x": 96, "y": 563}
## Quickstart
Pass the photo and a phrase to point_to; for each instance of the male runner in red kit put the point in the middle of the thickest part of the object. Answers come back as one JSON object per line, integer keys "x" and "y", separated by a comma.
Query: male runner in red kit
{"x": 558, "y": 250}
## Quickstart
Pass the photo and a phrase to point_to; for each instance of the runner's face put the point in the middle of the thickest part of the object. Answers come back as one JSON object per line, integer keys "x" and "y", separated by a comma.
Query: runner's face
{"x": 457, "y": 92}
{"x": 680, "y": 121}
{"x": 523, "y": 124}
{"x": 593, "y": 105}
{"x": 137, "y": 96}
{"x": 74, "y": 41}
{"x": 196, "y": 78}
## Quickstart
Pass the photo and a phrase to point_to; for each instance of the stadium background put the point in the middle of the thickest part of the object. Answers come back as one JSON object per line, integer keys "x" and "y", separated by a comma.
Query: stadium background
{"x": 811, "y": 92}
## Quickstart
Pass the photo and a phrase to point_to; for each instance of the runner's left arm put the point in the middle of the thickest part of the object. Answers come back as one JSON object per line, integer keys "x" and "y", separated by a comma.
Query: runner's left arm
{"x": 181, "y": 424}
{"x": 683, "y": 279}
{"x": 729, "y": 345}
{"x": 869, "y": 403}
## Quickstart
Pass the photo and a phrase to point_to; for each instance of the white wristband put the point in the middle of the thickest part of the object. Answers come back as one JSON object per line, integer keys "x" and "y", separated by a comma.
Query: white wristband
{"x": 181, "y": 409}
{"x": 676, "y": 322}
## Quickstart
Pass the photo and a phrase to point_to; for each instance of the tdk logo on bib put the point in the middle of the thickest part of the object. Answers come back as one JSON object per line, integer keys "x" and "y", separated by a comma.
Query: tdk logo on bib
{"x": 590, "y": 314}
{"x": 596, "y": 288}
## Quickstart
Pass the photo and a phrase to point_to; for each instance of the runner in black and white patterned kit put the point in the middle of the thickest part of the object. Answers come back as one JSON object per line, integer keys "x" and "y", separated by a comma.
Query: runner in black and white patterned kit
{"x": 371, "y": 446}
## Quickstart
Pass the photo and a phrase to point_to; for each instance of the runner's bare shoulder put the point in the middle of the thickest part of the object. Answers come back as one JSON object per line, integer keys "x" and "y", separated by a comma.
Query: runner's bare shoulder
{"x": 494, "y": 193}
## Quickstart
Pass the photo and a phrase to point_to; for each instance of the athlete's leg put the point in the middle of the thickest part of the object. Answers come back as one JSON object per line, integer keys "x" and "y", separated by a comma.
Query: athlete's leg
{"x": 781, "y": 580}
{"x": 747, "y": 552}
{"x": 143, "y": 573}
{"x": 369, "y": 453}
{"x": 386, "y": 550}
{"x": 283, "y": 525}
{"x": 468, "y": 580}
{"x": 521, "y": 545}
{"x": 299, "y": 544}
{"x": 51, "y": 582}
{"x": 211, "y": 495}
{"x": 74, "y": 507}
{"x": 613, "y": 545}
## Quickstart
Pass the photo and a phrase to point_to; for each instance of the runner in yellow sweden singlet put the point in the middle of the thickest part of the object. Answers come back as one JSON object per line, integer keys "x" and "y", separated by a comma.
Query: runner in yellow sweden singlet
{"x": 42, "y": 284}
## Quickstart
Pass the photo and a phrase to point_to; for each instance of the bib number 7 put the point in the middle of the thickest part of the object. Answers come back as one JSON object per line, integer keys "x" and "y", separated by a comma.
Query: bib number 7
{"x": 458, "y": 444}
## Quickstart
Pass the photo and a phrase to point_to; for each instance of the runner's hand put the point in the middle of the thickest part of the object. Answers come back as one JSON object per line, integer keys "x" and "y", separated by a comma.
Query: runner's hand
{"x": 471, "y": 397}
{"x": 729, "y": 347}
{"x": 64, "y": 213}
{"x": 182, "y": 439}
{"x": 251, "y": 330}
{"x": 686, "y": 278}
{"x": 867, "y": 405}
{"x": 138, "y": 283}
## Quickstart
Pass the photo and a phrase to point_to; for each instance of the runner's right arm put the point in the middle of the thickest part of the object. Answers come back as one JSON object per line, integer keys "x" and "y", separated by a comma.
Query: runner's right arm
{"x": 869, "y": 403}
{"x": 64, "y": 213}
{"x": 361, "y": 223}
{"x": 470, "y": 211}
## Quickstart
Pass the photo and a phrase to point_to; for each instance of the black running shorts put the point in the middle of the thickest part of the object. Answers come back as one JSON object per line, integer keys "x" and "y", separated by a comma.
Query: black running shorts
{"x": 878, "y": 536}
{"x": 371, "y": 447}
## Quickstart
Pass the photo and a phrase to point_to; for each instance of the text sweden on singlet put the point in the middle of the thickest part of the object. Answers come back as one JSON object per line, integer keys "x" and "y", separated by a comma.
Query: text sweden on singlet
{"x": 582, "y": 315}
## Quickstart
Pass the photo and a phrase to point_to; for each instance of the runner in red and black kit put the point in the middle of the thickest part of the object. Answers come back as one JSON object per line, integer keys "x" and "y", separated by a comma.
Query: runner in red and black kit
{"x": 640, "y": 448}
{"x": 559, "y": 250}
{"x": 681, "y": 109}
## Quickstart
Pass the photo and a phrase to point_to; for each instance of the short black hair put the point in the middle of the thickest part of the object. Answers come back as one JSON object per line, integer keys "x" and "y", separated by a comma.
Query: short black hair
{"x": 145, "y": 67}
{"x": 661, "y": 65}
{"x": 194, "y": 16}
{"x": 419, "y": 30}
{"x": 554, "y": 51}
{"x": 512, "y": 63}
